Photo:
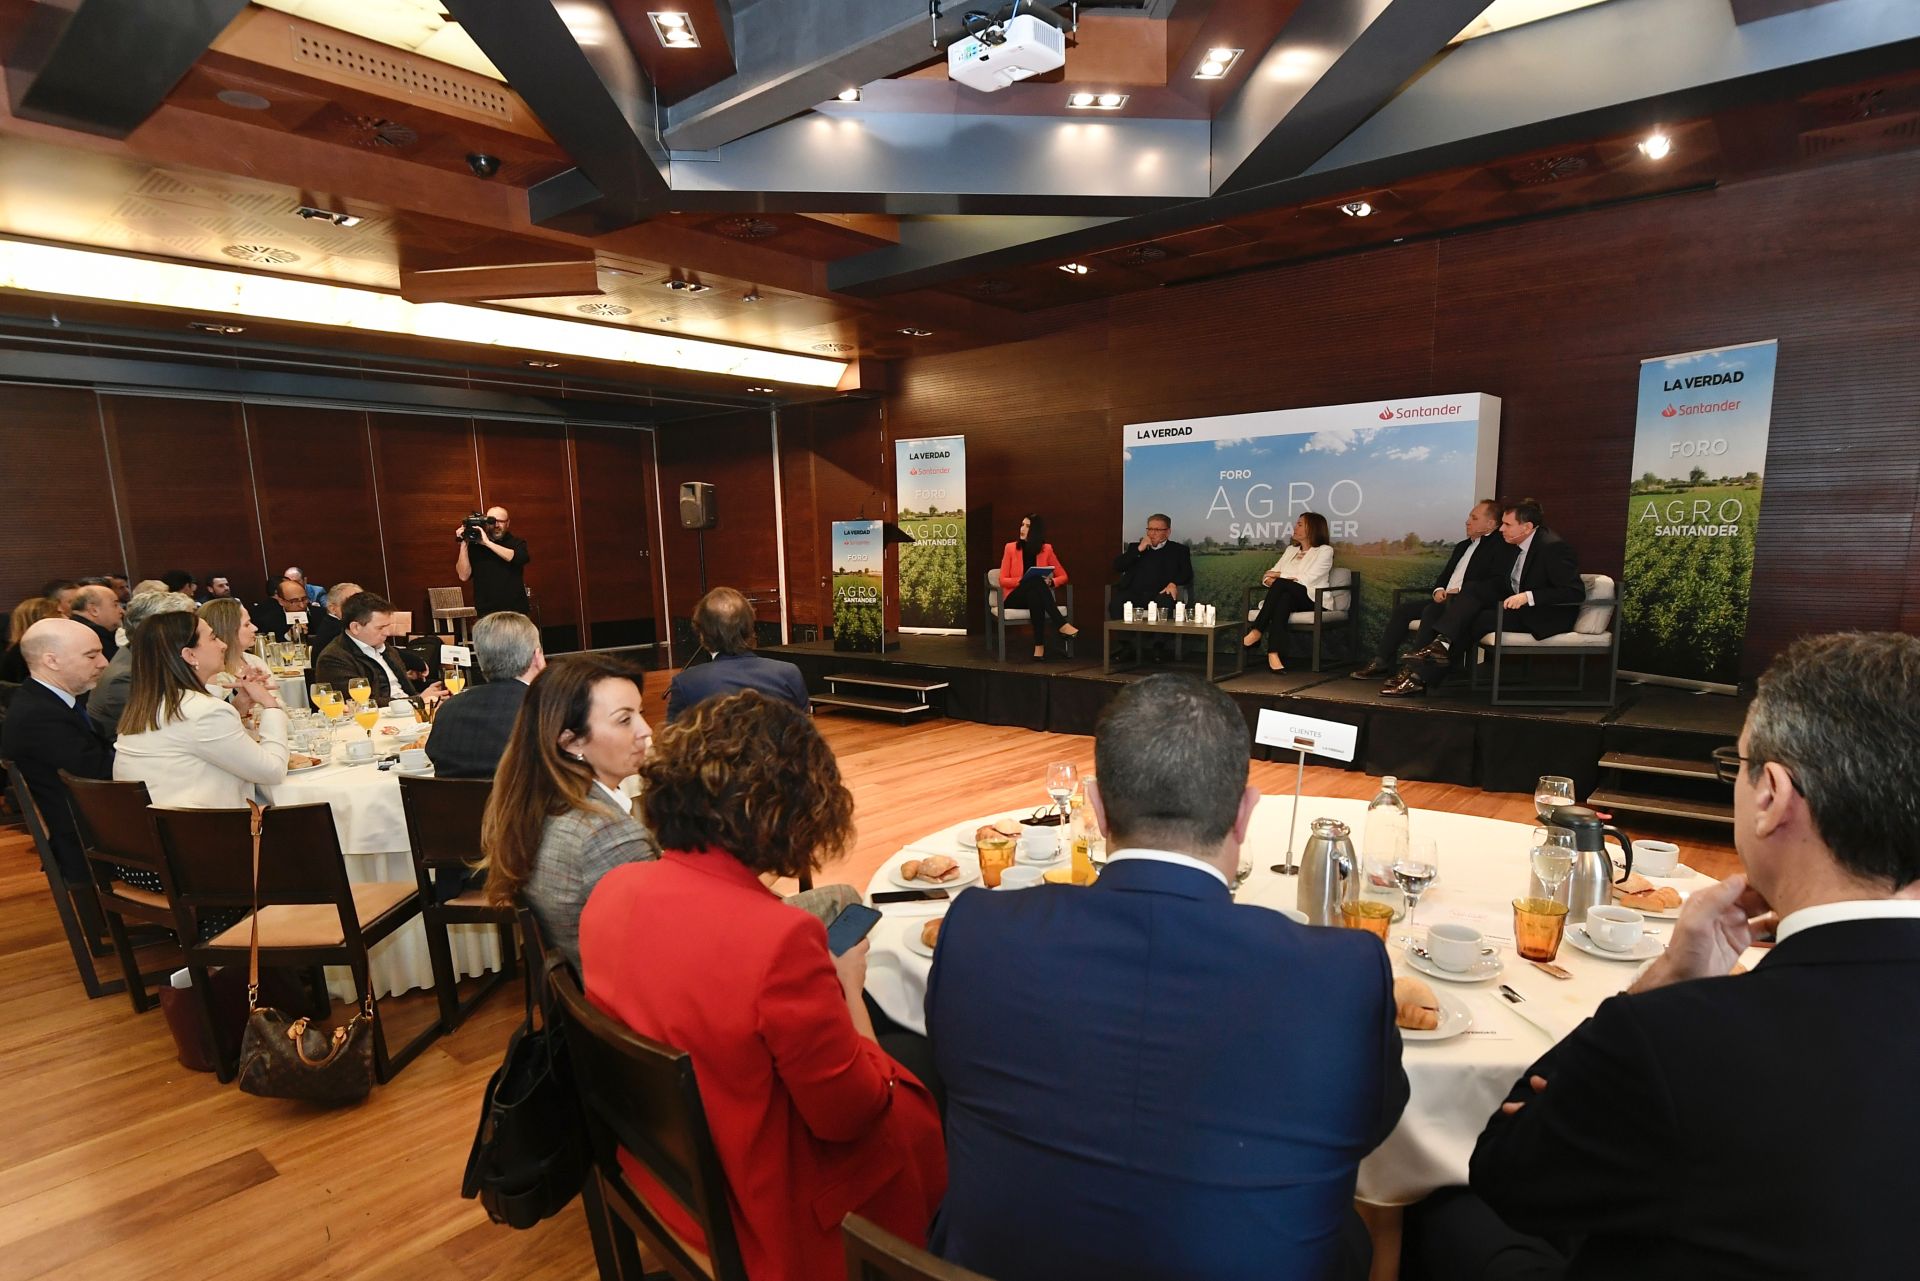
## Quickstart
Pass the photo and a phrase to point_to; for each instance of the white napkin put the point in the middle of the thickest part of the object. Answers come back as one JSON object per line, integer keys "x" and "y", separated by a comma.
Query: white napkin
{"x": 1553, "y": 1014}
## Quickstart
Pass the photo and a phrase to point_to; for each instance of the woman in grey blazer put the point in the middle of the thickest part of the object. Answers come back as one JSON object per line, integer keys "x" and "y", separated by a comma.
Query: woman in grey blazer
{"x": 557, "y": 820}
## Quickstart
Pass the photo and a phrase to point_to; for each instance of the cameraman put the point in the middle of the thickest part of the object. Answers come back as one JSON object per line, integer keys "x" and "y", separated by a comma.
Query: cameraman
{"x": 499, "y": 576}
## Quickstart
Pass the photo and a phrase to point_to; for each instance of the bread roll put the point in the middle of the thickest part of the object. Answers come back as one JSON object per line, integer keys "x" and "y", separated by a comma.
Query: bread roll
{"x": 1633, "y": 884}
{"x": 935, "y": 868}
{"x": 1664, "y": 899}
{"x": 1415, "y": 1006}
{"x": 910, "y": 870}
{"x": 930, "y": 932}
{"x": 1009, "y": 831}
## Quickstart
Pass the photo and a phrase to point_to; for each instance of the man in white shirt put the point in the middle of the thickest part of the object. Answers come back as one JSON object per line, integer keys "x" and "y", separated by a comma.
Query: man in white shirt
{"x": 1712, "y": 1123}
{"x": 362, "y": 651}
{"x": 1476, "y": 558}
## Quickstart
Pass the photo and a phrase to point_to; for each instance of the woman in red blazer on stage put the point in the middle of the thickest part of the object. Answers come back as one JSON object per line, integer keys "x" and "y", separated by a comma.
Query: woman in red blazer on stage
{"x": 1031, "y": 550}
{"x": 811, "y": 1118}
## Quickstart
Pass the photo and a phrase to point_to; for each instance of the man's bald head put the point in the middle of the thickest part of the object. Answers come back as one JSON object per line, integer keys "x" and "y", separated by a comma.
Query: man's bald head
{"x": 291, "y": 594}
{"x": 99, "y": 605}
{"x": 338, "y": 595}
{"x": 64, "y": 654}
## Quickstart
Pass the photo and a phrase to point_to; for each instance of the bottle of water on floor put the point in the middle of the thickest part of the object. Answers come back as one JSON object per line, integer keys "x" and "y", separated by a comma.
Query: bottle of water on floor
{"x": 1384, "y": 843}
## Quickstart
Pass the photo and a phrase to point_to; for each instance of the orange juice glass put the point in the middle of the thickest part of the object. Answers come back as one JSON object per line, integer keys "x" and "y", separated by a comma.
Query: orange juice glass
{"x": 366, "y": 716}
{"x": 996, "y": 856}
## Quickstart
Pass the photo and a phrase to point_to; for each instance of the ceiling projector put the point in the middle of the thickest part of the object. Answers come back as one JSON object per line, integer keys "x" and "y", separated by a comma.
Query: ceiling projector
{"x": 997, "y": 56}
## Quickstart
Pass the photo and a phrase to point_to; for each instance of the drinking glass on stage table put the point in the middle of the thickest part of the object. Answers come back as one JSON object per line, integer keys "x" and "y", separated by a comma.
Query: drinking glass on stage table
{"x": 1413, "y": 874}
{"x": 996, "y": 856}
{"x": 454, "y": 678}
{"x": 1549, "y": 793}
{"x": 1538, "y": 924}
{"x": 360, "y": 689}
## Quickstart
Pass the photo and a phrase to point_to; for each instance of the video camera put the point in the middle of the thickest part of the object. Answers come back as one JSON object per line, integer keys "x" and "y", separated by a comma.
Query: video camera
{"x": 473, "y": 523}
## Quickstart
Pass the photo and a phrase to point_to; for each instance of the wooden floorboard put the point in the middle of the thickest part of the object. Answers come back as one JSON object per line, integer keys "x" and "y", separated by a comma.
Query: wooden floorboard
{"x": 117, "y": 1162}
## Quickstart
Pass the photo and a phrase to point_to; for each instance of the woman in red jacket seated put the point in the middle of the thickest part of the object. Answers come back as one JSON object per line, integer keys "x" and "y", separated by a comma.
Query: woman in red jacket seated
{"x": 811, "y": 1118}
{"x": 1031, "y": 550}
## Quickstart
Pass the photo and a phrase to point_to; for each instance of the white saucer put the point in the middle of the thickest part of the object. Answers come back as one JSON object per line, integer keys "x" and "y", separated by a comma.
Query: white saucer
{"x": 1481, "y": 970}
{"x": 343, "y": 761}
{"x": 969, "y": 873}
{"x": 912, "y": 939}
{"x": 1672, "y": 914}
{"x": 404, "y": 772}
{"x": 1680, "y": 872}
{"x": 306, "y": 769}
{"x": 1020, "y": 855}
{"x": 1645, "y": 950}
{"x": 1455, "y": 1018}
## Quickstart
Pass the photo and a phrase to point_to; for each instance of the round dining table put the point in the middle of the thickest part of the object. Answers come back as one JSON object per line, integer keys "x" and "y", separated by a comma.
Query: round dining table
{"x": 372, "y": 827}
{"x": 1456, "y": 1083}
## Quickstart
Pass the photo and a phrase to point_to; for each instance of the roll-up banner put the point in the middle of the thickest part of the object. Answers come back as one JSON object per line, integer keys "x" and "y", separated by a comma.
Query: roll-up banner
{"x": 1699, "y": 453}
{"x": 857, "y": 550}
{"x": 1395, "y": 480}
{"x": 930, "y": 483}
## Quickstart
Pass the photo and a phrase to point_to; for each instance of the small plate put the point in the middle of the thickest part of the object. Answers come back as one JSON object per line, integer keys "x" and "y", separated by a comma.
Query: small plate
{"x": 1455, "y": 1018}
{"x": 969, "y": 873}
{"x": 422, "y": 772}
{"x": 912, "y": 939}
{"x": 1680, "y": 872}
{"x": 1672, "y": 914}
{"x": 306, "y": 769}
{"x": 1480, "y": 971}
{"x": 963, "y": 834}
{"x": 1645, "y": 950}
{"x": 1020, "y": 856}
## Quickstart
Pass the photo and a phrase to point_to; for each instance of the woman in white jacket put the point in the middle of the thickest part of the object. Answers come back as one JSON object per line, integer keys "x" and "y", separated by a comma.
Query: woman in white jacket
{"x": 1303, "y": 567}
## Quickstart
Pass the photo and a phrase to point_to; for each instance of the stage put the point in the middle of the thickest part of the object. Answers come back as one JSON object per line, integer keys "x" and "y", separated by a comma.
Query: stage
{"x": 1453, "y": 735}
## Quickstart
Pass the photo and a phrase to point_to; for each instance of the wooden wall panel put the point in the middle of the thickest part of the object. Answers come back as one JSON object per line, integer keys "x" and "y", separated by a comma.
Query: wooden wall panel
{"x": 524, "y": 467}
{"x": 56, "y": 491}
{"x": 426, "y": 479}
{"x": 185, "y": 488}
{"x": 734, "y": 453}
{"x": 620, "y": 586}
{"x": 313, "y": 470}
{"x": 835, "y": 464}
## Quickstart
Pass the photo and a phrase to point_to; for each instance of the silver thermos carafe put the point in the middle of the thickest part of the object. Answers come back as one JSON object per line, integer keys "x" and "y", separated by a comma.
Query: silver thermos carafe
{"x": 1325, "y": 866}
{"x": 1591, "y": 882}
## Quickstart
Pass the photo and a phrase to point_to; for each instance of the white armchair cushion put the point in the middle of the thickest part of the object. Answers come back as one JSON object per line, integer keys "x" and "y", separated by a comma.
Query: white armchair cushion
{"x": 1596, "y": 616}
{"x": 1335, "y": 605}
{"x": 1597, "y": 642}
{"x": 993, "y": 602}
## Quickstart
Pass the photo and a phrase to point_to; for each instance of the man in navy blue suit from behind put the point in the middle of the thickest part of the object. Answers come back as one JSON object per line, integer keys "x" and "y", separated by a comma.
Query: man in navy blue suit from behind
{"x": 1146, "y": 1081}
{"x": 723, "y": 620}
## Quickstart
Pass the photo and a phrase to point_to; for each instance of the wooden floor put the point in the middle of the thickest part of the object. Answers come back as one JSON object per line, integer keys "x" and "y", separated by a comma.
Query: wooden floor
{"x": 115, "y": 1162}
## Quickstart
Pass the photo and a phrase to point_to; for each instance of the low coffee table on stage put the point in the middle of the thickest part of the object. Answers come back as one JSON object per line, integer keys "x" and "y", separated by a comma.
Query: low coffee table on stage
{"x": 1209, "y": 636}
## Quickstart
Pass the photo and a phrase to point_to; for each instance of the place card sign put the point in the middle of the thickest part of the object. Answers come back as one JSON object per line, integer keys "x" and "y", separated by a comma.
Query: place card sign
{"x": 456, "y": 655}
{"x": 1294, "y": 733}
{"x": 297, "y": 616}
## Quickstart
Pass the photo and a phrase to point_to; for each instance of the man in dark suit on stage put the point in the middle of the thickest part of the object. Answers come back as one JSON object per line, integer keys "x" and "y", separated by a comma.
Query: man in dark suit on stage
{"x": 1145, "y": 1081}
{"x": 47, "y": 729}
{"x": 1152, "y": 569}
{"x": 1477, "y": 558}
{"x": 723, "y": 620}
{"x": 470, "y": 731}
{"x": 1541, "y": 593}
{"x": 1711, "y": 1124}
{"x": 362, "y": 649}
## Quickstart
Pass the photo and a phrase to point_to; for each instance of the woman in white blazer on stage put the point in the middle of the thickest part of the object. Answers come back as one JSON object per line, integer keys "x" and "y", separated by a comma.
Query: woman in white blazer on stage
{"x": 1303, "y": 568}
{"x": 189, "y": 747}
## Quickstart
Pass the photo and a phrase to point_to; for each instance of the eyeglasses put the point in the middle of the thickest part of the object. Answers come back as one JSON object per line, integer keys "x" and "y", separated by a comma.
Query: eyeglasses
{"x": 1728, "y": 760}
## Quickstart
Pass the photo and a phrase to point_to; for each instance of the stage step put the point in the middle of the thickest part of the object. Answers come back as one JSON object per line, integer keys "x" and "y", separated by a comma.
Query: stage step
{"x": 1629, "y": 763}
{"x": 1669, "y": 806}
{"x": 867, "y": 703}
{"x": 922, "y": 688}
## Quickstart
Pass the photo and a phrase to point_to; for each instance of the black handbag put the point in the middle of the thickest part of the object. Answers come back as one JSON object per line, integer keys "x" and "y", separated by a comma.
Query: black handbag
{"x": 529, "y": 1155}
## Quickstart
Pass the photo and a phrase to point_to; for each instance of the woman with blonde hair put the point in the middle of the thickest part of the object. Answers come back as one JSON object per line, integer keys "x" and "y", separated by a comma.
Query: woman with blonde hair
{"x": 232, "y": 623}
{"x": 28, "y": 612}
{"x": 557, "y": 820}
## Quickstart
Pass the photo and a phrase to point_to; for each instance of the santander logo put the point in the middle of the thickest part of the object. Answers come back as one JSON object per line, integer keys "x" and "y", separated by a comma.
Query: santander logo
{"x": 1386, "y": 415}
{"x": 1668, "y": 412}
{"x": 913, "y": 471}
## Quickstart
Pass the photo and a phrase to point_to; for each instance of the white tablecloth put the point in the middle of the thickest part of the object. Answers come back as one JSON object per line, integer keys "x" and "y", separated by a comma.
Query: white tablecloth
{"x": 1456, "y": 1084}
{"x": 373, "y": 836}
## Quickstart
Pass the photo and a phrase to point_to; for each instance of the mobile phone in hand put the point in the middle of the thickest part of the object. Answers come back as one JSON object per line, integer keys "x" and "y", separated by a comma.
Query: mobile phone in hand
{"x": 854, "y": 923}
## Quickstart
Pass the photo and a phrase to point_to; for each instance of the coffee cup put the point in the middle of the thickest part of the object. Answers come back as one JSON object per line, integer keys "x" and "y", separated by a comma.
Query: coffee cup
{"x": 1039, "y": 842}
{"x": 413, "y": 759}
{"x": 359, "y": 749}
{"x": 1021, "y": 878}
{"x": 1655, "y": 858}
{"x": 1453, "y": 947}
{"x": 1617, "y": 929}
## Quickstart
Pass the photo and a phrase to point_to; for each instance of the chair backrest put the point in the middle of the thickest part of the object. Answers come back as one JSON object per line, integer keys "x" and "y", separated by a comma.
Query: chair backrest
{"x": 875, "y": 1254}
{"x": 1339, "y": 576}
{"x": 641, "y": 1096}
{"x": 993, "y": 588}
{"x": 443, "y": 821}
{"x": 116, "y": 826}
{"x": 439, "y": 598}
{"x": 209, "y": 857}
{"x": 1596, "y": 615}
{"x": 36, "y": 821}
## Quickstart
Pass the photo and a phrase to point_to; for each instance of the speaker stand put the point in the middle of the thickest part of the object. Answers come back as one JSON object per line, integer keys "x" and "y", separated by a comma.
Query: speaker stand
{"x": 700, "y": 536}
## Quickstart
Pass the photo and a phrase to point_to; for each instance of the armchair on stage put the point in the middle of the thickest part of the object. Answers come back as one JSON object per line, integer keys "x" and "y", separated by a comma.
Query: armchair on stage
{"x": 1334, "y": 606}
{"x": 998, "y": 618}
{"x": 1595, "y": 634}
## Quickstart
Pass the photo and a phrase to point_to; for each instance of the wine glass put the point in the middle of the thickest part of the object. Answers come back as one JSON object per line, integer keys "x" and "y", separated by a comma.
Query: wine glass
{"x": 1551, "y": 792}
{"x": 360, "y": 689}
{"x": 1061, "y": 778}
{"x": 320, "y": 695}
{"x": 1552, "y": 856}
{"x": 1413, "y": 874}
{"x": 454, "y": 678}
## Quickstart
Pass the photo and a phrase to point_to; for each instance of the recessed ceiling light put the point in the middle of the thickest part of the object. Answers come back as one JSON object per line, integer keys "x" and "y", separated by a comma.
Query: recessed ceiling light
{"x": 1656, "y": 145}
{"x": 848, "y": 95}
{"x": 1216, "y": 64}
{"x": 242, "y": 99}
{"x": 674, "y": 29}
{"x": 327, "y": 215}
{"x": 541, "y": 364}
{"x": 911, "y": 332}
{"x": 1356, "y": 209}
{"x": 215, "y": 327}
{"x": 603, "y": 309}
{"x": 1096, "y": 101}
{"x": 1075, "y": 268}
{"x": 688, "y": 286}
{"x": 760, "y": 391}
{"x": 750, "y": 297}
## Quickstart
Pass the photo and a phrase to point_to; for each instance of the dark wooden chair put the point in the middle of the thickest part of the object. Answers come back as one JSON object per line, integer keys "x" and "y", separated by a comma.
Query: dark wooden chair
{"x": 875, "y": 1254}
{"x": 443, "y": 831}
{"x": 641, "y": 1096}
{"x": 310, "y": 913}
{"x": 117, "y": 831}
{"x": 78, "y": 908}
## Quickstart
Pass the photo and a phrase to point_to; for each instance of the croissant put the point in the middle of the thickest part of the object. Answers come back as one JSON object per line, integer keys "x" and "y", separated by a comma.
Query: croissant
{"x": 1416, "y": 1007}
{"x": 930, "y": 932}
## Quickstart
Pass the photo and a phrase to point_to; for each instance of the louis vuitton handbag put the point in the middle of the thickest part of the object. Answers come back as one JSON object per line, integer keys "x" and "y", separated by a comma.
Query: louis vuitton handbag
{"x": 288, "y": 1058}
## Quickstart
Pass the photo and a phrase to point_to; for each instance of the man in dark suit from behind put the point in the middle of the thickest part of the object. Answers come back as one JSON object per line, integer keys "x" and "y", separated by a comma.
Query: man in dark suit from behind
{"x": 1540, "y": 594}
{"x": 1146, "y": 1081}
{"x": 723, "y": 620}
{"x": 471, "y": 729}
{"x": 1478, "y": 558}
{"x": 47, "y": 730}
{"x": 362, "y": 649}
{"x": 1757, "y": 1125}
{"x": 324, "y": 620}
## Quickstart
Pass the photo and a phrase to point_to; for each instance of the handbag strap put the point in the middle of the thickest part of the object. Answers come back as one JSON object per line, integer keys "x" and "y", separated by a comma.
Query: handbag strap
{"x": 259, "y": 819}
